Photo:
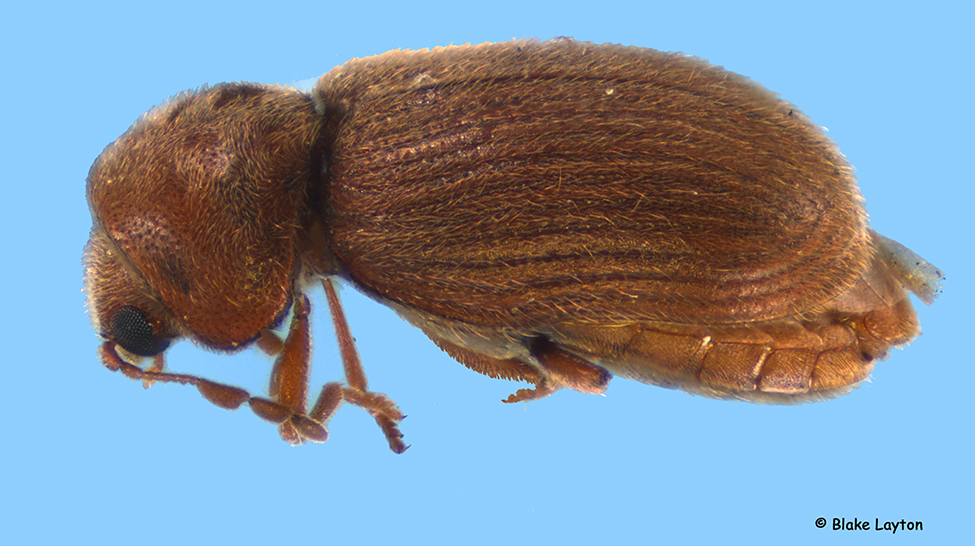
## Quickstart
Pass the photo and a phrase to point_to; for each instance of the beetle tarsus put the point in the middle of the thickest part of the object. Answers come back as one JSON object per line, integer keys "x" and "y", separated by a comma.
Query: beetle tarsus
{"x": 542, "y": 389}
{"x": 383, "y": 410}
{"x": 308, "y": 428}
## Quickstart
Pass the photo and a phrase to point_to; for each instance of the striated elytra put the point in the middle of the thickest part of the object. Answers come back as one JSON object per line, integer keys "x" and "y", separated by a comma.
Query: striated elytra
{"x": 554, "y": 212}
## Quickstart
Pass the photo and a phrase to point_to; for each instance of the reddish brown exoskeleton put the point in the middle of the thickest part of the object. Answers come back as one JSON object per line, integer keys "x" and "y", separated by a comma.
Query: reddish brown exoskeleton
{"x": 548, "y": 212}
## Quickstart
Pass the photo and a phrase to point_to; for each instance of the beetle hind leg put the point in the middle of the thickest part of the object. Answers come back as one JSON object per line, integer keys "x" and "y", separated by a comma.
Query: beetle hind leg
{"x": 556, "y": 369}
{"x": 569, "y": 370}
{"x": 498, "y": 368}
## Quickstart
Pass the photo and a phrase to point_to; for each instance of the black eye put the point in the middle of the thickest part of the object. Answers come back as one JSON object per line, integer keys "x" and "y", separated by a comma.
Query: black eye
{"x": 132, "y": 331}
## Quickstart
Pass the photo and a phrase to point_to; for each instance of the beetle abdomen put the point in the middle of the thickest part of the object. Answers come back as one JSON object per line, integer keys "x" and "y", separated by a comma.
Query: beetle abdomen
{"x": 817, "y": 355}
{"x": 811, "y": 356}
{"x": 530, "y": 184}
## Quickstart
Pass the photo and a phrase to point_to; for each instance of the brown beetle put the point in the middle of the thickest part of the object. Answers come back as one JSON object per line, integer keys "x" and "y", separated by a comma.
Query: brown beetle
{"x": 548, "y": 212}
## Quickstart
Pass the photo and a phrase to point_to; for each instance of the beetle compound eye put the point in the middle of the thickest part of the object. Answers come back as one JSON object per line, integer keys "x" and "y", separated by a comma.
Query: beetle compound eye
{"x": 131, "y": 330}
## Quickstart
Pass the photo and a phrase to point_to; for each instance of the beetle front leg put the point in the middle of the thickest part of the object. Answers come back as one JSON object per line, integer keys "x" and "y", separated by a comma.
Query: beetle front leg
{"x": 289, "y": 378}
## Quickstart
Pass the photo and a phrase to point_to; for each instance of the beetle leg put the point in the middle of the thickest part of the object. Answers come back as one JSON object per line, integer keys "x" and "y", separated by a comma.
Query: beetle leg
{"x": 328, "y": 402}
{"x": 569, "y": 370}
{"x": 558, "y": 369}
{"x": 542, "y": 389}
{"x": 289, "y": 377}
{"x": 382, "y": 409}
{"x": 497, "y": 368}
{"x": 270, "y": 343}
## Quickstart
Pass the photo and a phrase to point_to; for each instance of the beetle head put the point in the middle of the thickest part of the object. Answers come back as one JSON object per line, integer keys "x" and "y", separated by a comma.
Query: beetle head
{"x": 197, "y": 215}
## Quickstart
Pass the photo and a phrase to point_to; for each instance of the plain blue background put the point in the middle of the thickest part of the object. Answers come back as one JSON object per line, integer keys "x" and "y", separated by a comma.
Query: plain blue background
{"x": 91, "y": 456}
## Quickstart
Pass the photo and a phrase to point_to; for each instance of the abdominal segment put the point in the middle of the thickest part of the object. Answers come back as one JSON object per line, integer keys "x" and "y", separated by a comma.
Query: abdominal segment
{"x": 776, "y": 363}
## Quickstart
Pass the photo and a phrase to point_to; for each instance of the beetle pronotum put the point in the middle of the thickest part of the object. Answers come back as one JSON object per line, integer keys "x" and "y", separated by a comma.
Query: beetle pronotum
{"x": 550, "y": 212}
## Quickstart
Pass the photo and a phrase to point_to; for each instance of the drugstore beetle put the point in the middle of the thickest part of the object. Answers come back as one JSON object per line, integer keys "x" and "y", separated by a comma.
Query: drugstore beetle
{"x": 553, "y": 213}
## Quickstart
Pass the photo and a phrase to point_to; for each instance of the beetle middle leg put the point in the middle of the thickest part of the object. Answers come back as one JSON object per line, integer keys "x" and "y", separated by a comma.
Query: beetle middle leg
{"x": 382, "y": 409}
